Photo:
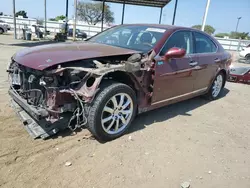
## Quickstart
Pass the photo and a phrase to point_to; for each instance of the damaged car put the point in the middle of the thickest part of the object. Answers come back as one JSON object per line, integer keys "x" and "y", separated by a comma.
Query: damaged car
{"x": 239, "y": 75}
{"x": 103, "y": 83}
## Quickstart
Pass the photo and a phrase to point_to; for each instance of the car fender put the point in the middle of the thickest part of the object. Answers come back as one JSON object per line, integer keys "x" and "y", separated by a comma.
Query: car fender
{"x": 220, "y": 69}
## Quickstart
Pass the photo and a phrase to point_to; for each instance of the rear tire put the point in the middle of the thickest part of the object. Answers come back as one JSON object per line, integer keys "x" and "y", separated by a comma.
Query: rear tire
{"x": 248, "y": 58}
{"x": 217, "y": 87}
{"x": 1, "y": 31}
{"x": 112, "y": 111}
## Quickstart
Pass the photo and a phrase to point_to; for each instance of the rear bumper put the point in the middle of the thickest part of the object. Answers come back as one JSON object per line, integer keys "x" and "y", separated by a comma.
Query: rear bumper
{"x": 34, "y": 120}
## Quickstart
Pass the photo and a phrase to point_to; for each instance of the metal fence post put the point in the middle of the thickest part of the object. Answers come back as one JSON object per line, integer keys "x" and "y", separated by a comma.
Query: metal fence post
{"x": 239, "y": 44}
{"x": 14, "y": 18}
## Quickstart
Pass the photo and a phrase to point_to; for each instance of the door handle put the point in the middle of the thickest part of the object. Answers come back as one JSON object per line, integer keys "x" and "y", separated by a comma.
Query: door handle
{"x": 193, "y": 63}
{"x": 217, "y": 60}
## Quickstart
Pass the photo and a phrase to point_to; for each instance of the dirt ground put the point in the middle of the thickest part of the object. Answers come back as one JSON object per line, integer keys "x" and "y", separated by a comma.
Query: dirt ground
{"x": 204, "y": 143}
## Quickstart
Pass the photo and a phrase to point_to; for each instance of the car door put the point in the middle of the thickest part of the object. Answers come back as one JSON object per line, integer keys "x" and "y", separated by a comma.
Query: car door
{"x": 174, "y": 77}
{"x": 208, "y": 60}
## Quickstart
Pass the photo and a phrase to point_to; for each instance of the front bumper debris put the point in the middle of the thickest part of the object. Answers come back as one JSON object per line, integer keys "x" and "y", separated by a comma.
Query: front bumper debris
{"x": 34, "y": 120}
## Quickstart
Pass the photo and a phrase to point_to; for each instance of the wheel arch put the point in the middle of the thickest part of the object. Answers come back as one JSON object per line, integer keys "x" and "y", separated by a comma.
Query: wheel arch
{"x": 224, "y": 72}
{"x": 122, "y": 77}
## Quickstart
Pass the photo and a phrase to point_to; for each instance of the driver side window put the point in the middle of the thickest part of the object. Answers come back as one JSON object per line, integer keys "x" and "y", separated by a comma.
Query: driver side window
{"x": 180, "y": 39}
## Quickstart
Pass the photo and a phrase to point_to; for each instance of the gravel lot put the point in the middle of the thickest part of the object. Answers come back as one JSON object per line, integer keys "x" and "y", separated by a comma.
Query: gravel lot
{"x": 204, "y": 143}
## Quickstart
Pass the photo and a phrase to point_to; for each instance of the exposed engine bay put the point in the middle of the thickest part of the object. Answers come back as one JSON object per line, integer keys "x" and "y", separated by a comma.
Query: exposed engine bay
{"x": 64, "y": 91}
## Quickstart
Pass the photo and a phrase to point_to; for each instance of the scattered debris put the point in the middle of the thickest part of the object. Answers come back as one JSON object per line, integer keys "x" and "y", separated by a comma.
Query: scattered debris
{"x": 89, "y": 136}
{"x": 216, "y": 132}
{"x": 185, "y": 185}
{"x": 68, "y": 163}
{"x": 92, "y": 155}
{"x": 130, "y": 138}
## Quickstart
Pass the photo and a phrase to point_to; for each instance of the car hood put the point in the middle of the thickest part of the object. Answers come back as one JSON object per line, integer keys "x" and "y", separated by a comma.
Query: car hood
{"x": 45, "y": 56}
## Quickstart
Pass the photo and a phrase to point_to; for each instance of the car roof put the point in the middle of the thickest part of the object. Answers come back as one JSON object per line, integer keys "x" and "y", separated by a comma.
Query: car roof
{"x": 163, "y": 26}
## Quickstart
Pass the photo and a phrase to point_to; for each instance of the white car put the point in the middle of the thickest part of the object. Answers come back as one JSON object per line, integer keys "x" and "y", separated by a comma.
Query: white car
{"x": 3, "y": 27}
{"x": 245, "y": 53}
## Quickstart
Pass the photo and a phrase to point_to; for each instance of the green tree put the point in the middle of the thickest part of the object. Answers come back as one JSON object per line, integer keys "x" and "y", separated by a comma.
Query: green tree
{"x": 61, "y": 17}
{"x": 221, "y": 35}
{"x": 1, "y": 13}
{"x": 21, "y": 13}
{"x": 92, "y": 13}
{"x": 239, "y": 35}
{"x": 208, "y": 29}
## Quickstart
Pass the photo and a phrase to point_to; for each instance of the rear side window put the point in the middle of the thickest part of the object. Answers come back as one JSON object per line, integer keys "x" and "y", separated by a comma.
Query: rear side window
{"x": 203, "y": 44}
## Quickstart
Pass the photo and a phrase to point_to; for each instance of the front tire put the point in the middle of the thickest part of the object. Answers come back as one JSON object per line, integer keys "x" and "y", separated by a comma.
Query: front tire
{"x": 112, "y": 111}
{"x": 217, "y": 87}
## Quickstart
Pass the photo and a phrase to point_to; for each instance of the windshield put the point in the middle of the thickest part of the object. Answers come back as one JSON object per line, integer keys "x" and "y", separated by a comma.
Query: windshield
{"x": 140, "y": 38}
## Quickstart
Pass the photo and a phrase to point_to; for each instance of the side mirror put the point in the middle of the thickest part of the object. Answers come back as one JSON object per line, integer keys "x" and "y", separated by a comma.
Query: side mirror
{"x": 175, "y": 53}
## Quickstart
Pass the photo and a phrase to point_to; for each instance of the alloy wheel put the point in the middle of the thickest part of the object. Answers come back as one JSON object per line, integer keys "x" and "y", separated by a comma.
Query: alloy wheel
{"x": 117, "y": 113}
{"x": 218, "y": 83}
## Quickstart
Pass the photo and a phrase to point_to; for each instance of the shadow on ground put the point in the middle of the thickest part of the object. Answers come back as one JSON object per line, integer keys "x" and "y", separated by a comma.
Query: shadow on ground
{"x": 159, "y": 115}
{"x": 165, "y": 113}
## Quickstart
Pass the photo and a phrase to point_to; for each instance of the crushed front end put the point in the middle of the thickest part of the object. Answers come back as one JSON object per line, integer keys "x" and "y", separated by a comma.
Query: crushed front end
{"x": 46, "y": 100}
{"x": 239, "y": 75}
{"x": 57, "y": 98}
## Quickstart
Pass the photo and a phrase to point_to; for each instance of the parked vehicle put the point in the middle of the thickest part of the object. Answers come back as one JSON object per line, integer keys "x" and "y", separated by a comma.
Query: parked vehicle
{"x": 4, "y": 27}
{"x": 245, "y": 53}
{"x": 239, "y": 75}
{"x": 38, "y": 30}
{"x": 104, "y": 82}
{"x": 79, "y": 33}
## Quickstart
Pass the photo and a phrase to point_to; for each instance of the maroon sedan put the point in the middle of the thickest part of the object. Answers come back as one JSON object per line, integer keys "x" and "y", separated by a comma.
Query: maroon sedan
{"x": 103, "y": 83}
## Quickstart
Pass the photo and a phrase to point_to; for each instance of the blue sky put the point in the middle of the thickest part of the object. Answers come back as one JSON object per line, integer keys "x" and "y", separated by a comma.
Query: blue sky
{"x": 222, "y": 14}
